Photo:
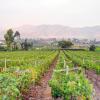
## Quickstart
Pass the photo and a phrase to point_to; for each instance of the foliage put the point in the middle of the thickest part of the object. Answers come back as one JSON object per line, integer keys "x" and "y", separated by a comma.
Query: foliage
{"x": 17, "y": 42}
{"x": 23, "y": 68}
{"x": 98, "y": 49}
{"x": 92, "y": 48}
{"x": 26, "y": 45}
{"x": 9, "y": 38}
{"x": 17, "y": 34}
{"x": 8, "y": 86}
{"x": 85, "y": 59}
{"x": 2, "y": 48}
{"x": 72, "y": 85}
{"x": 65, "y": 44}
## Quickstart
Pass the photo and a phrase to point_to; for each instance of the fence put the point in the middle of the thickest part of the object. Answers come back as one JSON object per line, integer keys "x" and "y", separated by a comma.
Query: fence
{"x": 6, "y": 62}
{"x": 67, "y": 69}
{"x": 90, "y": 75}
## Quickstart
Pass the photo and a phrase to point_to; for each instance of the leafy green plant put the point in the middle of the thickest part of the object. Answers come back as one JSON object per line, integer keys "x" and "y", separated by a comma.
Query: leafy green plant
{"x": 85, "y": 59}
{"x": 21, "y": 71}
{"x": 72, "y": 85}
{"x": 9, "y": 87}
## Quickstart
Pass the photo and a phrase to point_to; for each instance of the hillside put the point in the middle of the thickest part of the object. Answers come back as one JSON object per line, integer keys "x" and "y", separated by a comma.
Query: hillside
{"x": 57, "y": 31}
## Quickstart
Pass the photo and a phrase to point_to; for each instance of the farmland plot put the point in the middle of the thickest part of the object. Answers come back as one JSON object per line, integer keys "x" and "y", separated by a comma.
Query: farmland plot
{"x": 20, "y": 69}
{"x": 70, "y": 79}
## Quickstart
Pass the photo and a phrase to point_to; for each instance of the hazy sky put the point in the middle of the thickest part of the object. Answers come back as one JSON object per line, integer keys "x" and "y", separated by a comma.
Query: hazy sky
{"x": 76, "y": 13}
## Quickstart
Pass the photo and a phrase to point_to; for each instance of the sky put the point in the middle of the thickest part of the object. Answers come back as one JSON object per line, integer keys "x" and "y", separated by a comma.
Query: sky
{"x": 74, "y": 13}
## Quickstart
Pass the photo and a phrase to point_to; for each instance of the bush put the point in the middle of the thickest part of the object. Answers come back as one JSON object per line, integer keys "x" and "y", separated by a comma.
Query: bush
{"x": 72, "y": 85}
{"x": 64, "y": 44}
{"x": 92, "y": 48}
{"x": 2, "y": 48}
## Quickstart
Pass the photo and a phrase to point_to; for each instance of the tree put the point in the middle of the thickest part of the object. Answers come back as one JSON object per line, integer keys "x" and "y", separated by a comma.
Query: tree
{"x": 26, "y": 45}
{"x": 92, "y": 48}
{"x": 65, "y": 44}
{"x": 17, "y": 44}
{"x": 17, "y": 34}
{"x": 9, "y": 38}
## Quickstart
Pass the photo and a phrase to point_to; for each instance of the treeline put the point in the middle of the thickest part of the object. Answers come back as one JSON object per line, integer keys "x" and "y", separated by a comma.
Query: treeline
{"x": 13, "y": 41}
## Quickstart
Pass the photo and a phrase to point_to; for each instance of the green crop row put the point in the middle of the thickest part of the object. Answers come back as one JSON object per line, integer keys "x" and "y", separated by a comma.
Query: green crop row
{"x": 16, "y": 78}
{"x": 70, "y": 86}
{"x": 86, "y": 59}
{"x": 23, "y": 58}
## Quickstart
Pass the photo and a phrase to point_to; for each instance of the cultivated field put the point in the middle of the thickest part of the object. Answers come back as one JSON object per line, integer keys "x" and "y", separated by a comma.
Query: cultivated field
{"x": 71, "y": 75}
{"x": 19, "y": 69}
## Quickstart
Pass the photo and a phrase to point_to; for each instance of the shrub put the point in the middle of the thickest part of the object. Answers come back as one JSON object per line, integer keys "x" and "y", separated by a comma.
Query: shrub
{"x": 92, "y": 48}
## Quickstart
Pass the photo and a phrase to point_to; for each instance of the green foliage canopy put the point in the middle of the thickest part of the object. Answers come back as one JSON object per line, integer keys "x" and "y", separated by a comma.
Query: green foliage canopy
{"x": 65, "y": 44}
{"x": 9, "y": 38}
{"x": 92, "y": 48}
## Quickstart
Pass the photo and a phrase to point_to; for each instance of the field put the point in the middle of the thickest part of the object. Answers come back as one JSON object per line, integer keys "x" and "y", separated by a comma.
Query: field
{"x": 20, "y": 69}
{"x": 68, "y": 82}
{"x": 98, "y": 49}
{"x": 71, "y": 78}
{"x": 89, "y": 60}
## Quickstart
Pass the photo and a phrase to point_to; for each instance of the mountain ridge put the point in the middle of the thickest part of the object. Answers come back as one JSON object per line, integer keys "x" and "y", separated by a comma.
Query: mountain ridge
{"x": 58, "y": 31}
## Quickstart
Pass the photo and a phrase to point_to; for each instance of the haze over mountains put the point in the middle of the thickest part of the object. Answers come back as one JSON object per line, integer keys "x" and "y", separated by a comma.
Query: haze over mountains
{"x": 56, "y": 31}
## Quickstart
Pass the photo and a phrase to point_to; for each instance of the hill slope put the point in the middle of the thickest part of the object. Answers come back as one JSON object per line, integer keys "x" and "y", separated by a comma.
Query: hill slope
{"x": 57, "y": 31}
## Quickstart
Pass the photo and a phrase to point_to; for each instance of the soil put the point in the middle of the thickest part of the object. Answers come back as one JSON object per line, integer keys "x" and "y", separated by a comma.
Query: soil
{"x": 42, "y": 91}
{"x": 96, "y": 92}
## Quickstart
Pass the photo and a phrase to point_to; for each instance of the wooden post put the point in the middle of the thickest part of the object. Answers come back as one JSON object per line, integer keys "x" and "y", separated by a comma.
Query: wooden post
{"x": 19, "y": 61}
{"x": 35, "y": 63}
{"x": 83, "y": 60}
{"x": 92, "y": 62}
{"x": 64, "y": 64}
{"x": 67, "y": 69}
{"x": 5, "y": 64}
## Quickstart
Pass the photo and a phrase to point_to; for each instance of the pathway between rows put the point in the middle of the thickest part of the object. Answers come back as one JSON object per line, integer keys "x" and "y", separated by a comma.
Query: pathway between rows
{"x": 42, "y": 91}
{"x": 96, "y": 94}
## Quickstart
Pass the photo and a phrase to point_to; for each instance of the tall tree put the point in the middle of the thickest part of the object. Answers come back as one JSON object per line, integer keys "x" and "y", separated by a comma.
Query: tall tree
{"x": 17, "y": 34}
{"x": 9, "y": 38}
{"x": 17, "y": 39}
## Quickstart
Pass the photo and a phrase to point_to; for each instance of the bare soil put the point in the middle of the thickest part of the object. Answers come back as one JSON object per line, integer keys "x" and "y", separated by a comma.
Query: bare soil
{"x": 42, "y": 91}
{"x": 96, "y": 93}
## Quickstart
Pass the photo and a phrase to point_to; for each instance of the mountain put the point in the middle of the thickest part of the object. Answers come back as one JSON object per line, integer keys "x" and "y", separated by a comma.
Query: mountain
{"x": 58, "y": 31}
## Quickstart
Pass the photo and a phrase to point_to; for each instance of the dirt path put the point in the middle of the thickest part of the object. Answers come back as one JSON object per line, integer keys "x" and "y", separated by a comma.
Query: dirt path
{"x": 96, "y": 93}
{"x": 42, "y": 91}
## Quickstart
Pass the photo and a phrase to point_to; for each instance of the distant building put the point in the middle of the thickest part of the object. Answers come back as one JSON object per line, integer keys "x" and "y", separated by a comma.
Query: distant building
{"x": 2, "y": 43}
